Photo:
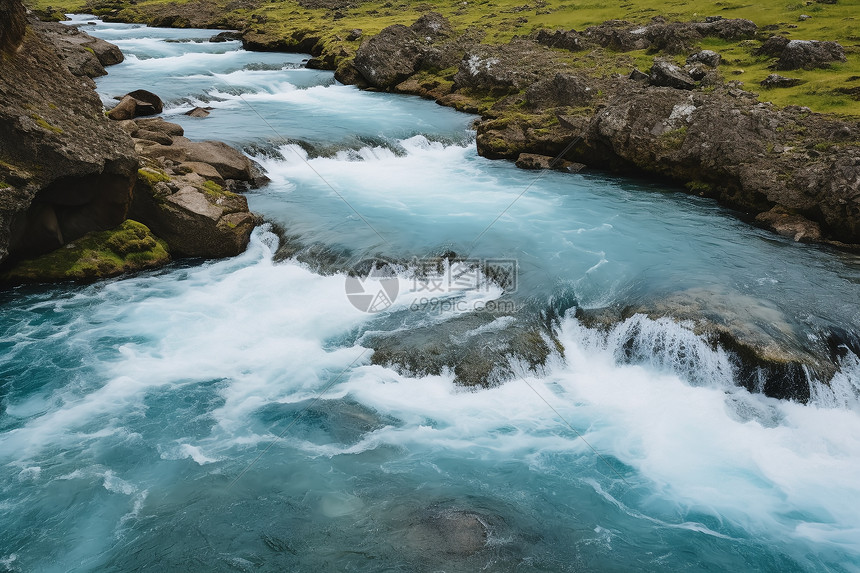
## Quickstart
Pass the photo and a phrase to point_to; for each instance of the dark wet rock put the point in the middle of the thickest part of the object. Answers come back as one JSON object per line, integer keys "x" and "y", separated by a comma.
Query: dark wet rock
{"x": 134, "y": 104}
{"x": 560, "y": 90}
{"x": 354, "y": 34}
{"x": 778, "y": 81}
{"x": 767, "y": 354}
{"x": 226, "y": 37}
{"x": 198, "y": 112}
{"x": 667, "y": 74}
{"x": 65, "y": 169}
{"x": 809, "y": 54}
{"x": 478, "y": 350}
{"x": 706, "y": 57}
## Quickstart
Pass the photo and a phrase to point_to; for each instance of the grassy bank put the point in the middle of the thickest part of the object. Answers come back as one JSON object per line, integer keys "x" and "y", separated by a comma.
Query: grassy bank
{"x": 833, "y": 90}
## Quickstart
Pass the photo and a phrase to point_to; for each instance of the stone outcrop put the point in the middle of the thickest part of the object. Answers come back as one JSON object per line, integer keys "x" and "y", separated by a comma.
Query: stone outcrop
{"x": 65, "y": 169}
{"x": 668, "y": 37}
{"x": 184, "y": 194}
{"x": 83, "y": 54}
{"x": 398, "y": 51}
{"x": 70, "y": 177}
{"x": 801, "y": 54}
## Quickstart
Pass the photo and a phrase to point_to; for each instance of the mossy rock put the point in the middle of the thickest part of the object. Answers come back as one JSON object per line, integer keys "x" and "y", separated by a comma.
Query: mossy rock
{"x": 127, "y": 248}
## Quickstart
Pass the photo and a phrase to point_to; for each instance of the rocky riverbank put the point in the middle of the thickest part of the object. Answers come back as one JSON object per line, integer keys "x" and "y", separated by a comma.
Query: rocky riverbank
{"x": 83, "y": 196}
{"x": 633, "y": 98}
{"x": 792, "y": 170}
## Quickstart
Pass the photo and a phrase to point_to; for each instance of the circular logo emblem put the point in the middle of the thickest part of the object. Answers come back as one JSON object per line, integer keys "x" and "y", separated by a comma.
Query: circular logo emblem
{"x": 372, "y": 285}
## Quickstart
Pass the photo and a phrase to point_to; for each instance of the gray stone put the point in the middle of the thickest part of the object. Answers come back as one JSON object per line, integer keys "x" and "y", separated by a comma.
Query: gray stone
{"x": 667, "y": 74}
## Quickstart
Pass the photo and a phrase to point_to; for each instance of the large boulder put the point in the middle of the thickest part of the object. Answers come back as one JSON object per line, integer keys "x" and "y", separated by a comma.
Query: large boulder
{"x": 197, "y": 218}
{"x": 65, "y": 169}
{"x": 809, "y": 54}
{"x": 398, "y": 51}
{"x": 390, "y": 57}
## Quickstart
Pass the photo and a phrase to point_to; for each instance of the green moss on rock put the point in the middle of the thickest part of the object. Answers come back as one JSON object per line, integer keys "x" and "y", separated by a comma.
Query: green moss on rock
{"x": 127, "y": 248}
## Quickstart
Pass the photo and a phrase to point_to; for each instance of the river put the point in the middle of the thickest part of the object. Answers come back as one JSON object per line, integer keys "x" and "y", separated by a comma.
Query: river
{"x": 226, "y": 415}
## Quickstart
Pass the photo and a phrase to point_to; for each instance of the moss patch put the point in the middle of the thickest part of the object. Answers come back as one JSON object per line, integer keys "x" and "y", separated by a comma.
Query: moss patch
{"x": 41, "y": 122}
{"x": 126, "y": 248}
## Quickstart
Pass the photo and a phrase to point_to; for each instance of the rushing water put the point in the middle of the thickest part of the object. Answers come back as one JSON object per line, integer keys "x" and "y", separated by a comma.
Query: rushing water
{"x": 170, "y": 421}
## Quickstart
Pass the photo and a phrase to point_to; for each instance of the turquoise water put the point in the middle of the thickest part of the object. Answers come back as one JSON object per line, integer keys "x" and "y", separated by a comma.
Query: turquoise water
{"x": 225, "y": 415}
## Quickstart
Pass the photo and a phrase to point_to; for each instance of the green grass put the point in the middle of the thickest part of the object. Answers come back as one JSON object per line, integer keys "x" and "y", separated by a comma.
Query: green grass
{"x": 500, "y": 20}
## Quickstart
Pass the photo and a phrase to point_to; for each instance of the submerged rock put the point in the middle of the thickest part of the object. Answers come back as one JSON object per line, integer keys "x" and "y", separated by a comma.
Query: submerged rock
{"x": 454, "y": 532}
{"x": 198, "y": 112}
